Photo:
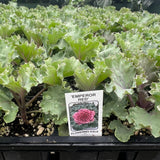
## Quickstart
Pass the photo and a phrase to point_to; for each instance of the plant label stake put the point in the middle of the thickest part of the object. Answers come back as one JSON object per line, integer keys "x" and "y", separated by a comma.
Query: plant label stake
{"x": 84, "y": 111}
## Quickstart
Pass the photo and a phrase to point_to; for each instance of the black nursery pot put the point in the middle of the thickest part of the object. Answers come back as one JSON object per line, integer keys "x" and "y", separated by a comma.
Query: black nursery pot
{"x": 68, "y": 143}
{"x": 23, "y": 148}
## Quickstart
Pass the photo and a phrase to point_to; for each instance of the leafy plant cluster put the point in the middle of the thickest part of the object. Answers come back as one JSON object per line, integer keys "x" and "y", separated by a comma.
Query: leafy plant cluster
{"x": 75, "y": 49}
{"x": 135, "y": 5}
{"x": 76, "y": 107}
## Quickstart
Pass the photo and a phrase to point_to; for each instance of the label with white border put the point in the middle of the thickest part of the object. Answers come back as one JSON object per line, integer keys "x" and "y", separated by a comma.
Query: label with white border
{"x": 84, "y": 112}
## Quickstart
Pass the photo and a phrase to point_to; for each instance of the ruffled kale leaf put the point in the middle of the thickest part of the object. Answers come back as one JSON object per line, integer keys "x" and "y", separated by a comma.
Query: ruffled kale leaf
{"x": 88, "y": 79}
{"x": 142, "y": 119}
{"x": 83, "y": 49}
{"x": 10, "y": 108}
{"x": 122, "y": 133}
{"x": 53, "y": 103}
{"x": 122, "y": 77}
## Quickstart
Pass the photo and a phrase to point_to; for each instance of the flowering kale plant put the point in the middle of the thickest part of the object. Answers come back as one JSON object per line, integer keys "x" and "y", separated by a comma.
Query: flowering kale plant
{"x": 83, "y": 116}
{"x": 47, "y": 52}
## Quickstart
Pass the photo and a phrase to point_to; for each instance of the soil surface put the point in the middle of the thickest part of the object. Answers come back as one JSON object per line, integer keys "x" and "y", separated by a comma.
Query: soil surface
{"x": 35, "y": 126}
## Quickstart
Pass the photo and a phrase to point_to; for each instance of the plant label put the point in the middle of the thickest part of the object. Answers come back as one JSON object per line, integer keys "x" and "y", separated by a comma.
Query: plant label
{"x": 84, "y": 111}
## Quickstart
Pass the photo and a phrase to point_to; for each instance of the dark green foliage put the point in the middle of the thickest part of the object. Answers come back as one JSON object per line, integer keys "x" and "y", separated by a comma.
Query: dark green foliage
{"x": 135, "y": 5}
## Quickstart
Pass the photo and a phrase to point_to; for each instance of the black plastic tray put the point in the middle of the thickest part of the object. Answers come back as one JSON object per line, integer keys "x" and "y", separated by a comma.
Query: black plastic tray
{"x": 57, "y": 143}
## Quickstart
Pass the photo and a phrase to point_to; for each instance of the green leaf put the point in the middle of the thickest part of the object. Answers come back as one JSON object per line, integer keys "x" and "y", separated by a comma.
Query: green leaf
{"x": 88, "y": 79}
{"x": 130, "y": 42}
{"x": 109, "y": 50}
{"x": 140, "y": 79}
{"x": 85, "y": 78}
{"x": 55, "y": 71}
{"x": 155, "y": 94}
{"x": 33, "y": 34}
{"x": 27, "y": 77}
{"x": 83, "y": 49}
{"x": 113, "y": 105}
{"x": 63, "y": 130}
{"x": 13, "y": 85}
{"x": 54, "y": 103}
{"x": 51, "y": 37}
{"x": 67, "y": 66}
{"x": 6, "y": 30}
{"x": 123, "y": 133}
{"x": 4, "y": 74}
{"x": 155, "y": 54}
{"x": 6, "y": 104}
{"x": 123, "y": 74}
{"x": 6, "y": 53}
{"x": 101, "y": 70}
{"x": 28, "y": 51}
{"x": 142, "y": 119}
{"x": 49, "y": 72}
{"x": 149, "y": 67}
{"x": 50, "y": 75}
